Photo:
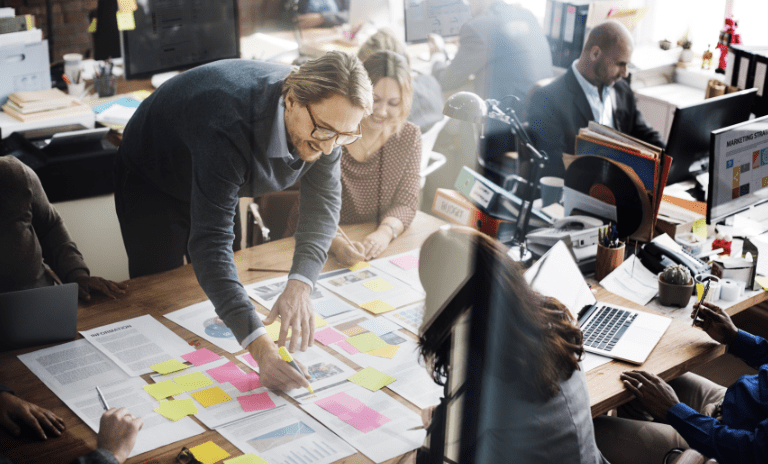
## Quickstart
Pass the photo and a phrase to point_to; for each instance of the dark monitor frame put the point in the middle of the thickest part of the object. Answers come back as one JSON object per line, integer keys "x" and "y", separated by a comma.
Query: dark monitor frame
{"x": 739, "y": 204}
{"x": 125, "y": 43}
{"x": 689, "y": 136}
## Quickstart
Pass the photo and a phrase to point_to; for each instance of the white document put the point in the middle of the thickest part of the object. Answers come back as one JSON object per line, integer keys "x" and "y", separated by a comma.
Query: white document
{"x": 72, "y": 371}
{"x": 632, "y": 281}
{"x": 352, "y": 286}
{"x": 761, "y": 242}
{"x": 286, "y": 436}
{"x": 223, "y": 413}
{"x": 591, "y": 360}
{"x": 135, "y": 344}
{"x": 326, "y": 371}
{"x": 202, "y": 320}
{"x": 414, "y": 384}
{"x": 267, "y": 291}
{"x": 409, "y": 317}
{"x": 387, "y": 441}
{"x": 410, "y": 276}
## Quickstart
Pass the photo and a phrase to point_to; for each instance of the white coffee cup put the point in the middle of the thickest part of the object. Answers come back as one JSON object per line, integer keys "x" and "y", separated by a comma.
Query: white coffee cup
{"x": 73, "y": 66}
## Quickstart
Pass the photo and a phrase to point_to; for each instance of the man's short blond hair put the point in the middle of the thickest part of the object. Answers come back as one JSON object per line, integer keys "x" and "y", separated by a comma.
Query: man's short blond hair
{"x": 334, "y": 73}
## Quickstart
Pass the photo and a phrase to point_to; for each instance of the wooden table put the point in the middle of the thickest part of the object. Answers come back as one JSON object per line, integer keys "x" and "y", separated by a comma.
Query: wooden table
{"x": 681, "y": 348}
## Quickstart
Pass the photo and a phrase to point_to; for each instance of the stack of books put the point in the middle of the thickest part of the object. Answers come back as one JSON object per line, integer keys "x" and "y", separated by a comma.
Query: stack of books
{"x": 42, "y": 104}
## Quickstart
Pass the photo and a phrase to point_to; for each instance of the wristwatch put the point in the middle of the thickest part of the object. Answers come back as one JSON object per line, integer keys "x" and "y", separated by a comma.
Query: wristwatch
{"x": 394, "y": 230}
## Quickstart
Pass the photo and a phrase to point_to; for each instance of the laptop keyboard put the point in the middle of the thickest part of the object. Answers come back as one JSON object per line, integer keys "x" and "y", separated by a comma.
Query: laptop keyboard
{"x": 607, "y": 327}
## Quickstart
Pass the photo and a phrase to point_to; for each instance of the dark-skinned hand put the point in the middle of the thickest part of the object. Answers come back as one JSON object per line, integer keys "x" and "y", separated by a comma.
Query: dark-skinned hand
{"x": 715, "y": 322}
{"x": 89, "y": 284}
{"x": 14, "y": 411}
{"x": 654, "y": 393}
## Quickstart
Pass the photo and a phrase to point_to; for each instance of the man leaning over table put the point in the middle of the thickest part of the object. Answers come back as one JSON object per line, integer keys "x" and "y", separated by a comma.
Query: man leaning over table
{"x": 230, "y": 129}
{"x": 729, "y": 425}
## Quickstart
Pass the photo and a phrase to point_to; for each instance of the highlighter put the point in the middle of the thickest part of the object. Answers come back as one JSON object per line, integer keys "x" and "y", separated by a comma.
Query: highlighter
{"x": 289, "y": 359}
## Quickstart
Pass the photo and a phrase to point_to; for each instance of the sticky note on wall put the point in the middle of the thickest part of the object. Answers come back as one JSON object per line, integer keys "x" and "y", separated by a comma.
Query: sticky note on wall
{"x": 125, "y": 21}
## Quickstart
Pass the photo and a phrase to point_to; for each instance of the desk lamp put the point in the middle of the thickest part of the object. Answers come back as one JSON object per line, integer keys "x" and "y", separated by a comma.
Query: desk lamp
{"x": 469, "y": 107}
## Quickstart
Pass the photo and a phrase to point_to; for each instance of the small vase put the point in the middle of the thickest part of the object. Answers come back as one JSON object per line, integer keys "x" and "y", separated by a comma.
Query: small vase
{"x": 686, "y": 56}
{"x": 675, "y": 295}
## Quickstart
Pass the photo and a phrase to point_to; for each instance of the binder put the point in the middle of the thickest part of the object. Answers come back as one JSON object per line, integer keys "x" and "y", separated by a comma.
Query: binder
{"x": 453, "y": 207}
{"x": 574, "y": 31}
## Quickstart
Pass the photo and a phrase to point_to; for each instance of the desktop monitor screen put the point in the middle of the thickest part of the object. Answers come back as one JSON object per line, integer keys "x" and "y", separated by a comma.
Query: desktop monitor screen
{"x": 689, "y": 136}
{"x": 738, "y": 168}
{"x": 180, "y": 34}
{"x": 442, "y": 17}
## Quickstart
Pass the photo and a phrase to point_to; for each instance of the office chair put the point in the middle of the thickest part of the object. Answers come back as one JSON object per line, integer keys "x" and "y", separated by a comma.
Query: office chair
{"x": 431, "y": 161}
{"x": 268, "y": 215}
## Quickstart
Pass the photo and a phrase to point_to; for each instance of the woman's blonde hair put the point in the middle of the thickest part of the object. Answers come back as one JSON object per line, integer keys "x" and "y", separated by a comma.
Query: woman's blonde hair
{"x": 393, "y": 65}
{"x": 383, "y": 40}
{"x": 335, "y": 73}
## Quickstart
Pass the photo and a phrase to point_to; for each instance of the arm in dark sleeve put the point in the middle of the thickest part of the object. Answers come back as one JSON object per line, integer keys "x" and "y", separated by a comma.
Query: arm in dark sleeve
{"x": 406, "y": 198}
{"x": 545, "y": 127}
{"x": 713, "y": 439}
{"x": 97, "y": 456}
{"x": 59, "y": 251}
{"x": 3, "y": 388}
{"x": 470, "y": 57}
{"x": 319, "y": 206}
{"x": 750, "y": 348}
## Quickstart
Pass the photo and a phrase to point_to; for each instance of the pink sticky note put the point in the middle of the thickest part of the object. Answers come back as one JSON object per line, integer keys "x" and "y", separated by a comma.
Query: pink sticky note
{"x": 226, "y": 373}
{"x": 256, "y": 402}
{"x": 250, "y": 382}
{"x": 201, "y": 356}
{"x": 328, "y": 336}
{"x": 353, "y": 412}
{"x": 406, "y": 263}
{"x": 347, "y": 347}
{"x": 251, "y": 362}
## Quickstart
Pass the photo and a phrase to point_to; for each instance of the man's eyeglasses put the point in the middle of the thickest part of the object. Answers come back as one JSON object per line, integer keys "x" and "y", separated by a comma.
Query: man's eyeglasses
{"x": 186, "y": 457}
{"x": 342, "y": 138}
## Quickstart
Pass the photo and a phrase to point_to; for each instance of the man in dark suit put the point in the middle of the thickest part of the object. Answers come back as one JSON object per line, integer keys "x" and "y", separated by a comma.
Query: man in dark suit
{"x": 593, "y": 89}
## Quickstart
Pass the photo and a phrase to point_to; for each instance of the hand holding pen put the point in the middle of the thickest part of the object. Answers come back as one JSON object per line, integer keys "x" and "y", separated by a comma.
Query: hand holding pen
{"x": 695, "y": 315}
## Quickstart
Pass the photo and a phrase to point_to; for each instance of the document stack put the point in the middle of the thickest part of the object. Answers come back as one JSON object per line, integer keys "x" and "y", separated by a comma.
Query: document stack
{"x": 43, "y": 104}
{"x": 23, "y": 47}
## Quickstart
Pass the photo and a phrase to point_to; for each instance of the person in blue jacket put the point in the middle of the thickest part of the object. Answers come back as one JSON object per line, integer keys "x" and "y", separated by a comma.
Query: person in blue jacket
{"x": 729, "y": 425}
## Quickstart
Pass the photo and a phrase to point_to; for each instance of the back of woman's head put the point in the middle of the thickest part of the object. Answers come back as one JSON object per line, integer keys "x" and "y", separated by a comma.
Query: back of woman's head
{"x": 393, "y": 65}
{"x": 382, "y": 40}
{"x": 461, "y": 268}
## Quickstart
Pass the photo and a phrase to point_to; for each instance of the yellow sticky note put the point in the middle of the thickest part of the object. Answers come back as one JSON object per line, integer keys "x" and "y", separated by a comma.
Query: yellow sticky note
{"x": 700, "y": 228}
{"x": 377, "y": 306}
{"x": 92, "y": 26}
{"x": 358, "y": 266}
{"x": 127, "y": 5}
{"x": 167, "y": 367}
{"x": 273, "y": 329}
{"x": 763, "y": 282}
{"x": 193, "y": 381}
{"x": 209, "y": 452}
{"x": 163, "y": 390}
{"x": 30, "y": 22}
{"x": 386, "y": 352}
{"x": 372, "y": 379}
{"x": 176, "y": 409}
{"x": 367, "y": 342}
{"x": 699, "y": 290}
{"x": 125, "y": 21}
{"x": 378, "y": 285}
{"x": 320, "y": 322}
{"x": 211, "y": 396}
{"x": 141, "y": 94}
{"x": 249, "y": 458}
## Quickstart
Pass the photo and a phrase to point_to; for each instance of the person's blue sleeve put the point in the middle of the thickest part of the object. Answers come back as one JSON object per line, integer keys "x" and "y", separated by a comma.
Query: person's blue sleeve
{"x": 750, "y": 348}
{"x": 319, "y": 206}
{"x": 710, "y": 437}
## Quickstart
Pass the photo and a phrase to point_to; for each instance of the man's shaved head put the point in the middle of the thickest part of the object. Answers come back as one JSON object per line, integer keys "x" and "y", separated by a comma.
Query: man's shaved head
{"x": 607, "y": 34}
{"x": 606, "y": 54}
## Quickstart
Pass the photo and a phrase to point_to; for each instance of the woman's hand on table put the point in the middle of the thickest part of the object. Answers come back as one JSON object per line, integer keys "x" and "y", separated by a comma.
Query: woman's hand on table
{"x": 376, "y": 242}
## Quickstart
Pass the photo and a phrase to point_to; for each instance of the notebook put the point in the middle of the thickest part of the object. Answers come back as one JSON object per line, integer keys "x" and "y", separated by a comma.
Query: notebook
{"x": 38, "y": 316}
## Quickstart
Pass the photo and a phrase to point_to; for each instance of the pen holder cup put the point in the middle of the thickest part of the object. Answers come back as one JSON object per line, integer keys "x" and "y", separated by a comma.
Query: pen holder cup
{"x": 607, "y": 260}
{"x": 105, "y": 85}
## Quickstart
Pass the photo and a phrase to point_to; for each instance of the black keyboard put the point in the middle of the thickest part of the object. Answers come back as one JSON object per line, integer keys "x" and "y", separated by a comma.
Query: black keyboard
{"x": 607, "y": 327}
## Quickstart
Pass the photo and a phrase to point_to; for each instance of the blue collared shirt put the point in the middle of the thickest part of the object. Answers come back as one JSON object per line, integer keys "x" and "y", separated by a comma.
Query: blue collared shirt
{"x": 742, "y": 434}
{"x": 602, "y": 108}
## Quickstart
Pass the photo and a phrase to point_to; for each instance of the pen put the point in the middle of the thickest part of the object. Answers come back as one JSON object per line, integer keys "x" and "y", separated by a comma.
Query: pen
{"x": 419, "y": 427}
{"x": 289, "y": 359}
{"x": 103, "y": 400}
{"x": 703, "y": 295}
{"x": 255, "y": 269}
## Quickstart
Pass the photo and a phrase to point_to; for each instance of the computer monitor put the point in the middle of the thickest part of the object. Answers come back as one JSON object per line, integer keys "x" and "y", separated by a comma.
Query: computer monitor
{"x": 174, "y": 35}
{"x": 691, "y": 127}
{"x": 442, "y": 17}
{"x": 738, "y": 168}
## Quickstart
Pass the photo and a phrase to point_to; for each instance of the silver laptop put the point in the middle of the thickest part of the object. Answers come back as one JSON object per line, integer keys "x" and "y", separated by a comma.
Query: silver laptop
{"x": 609, "y": 330}
{"x": 38, "y": 316}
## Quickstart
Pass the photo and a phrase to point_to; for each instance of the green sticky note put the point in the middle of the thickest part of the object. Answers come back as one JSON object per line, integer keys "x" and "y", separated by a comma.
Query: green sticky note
{"x": 193, "y": 381}
{"x": 176, "y": 409}
{"x": 167, "y": 367}
{"x": 367, "y": 342}
{"x": 372, "y": 379}
{"x": 249, "y": 458}
{"x": 92, "y": 26}
{"x": 700, "y": 227}
{"x": 209, "y": 452}
{"x": 163, "y": 390}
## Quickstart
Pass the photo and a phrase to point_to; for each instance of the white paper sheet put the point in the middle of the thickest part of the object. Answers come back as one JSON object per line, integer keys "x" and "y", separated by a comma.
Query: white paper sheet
{"x": 223, "y": 413}
{"x": 286, "y": 436}
{"x": 350, "y": 285}
{"x": 409, "y": 317}
{"x": 202, "y": 320}
{"x": 324, "y": 302}
{"x": 385, "y": 442}
{"x": 135, "y": 344}
{"x": 591, "y": 360}
{"x": 415, "y": 385}
{"x": 73, "y": 370}
{"x": 411, "y": 277}
{"x": 632, "y": 281}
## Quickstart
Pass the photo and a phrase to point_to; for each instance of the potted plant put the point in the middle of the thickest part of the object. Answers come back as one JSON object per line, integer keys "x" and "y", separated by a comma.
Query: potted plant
{"x": 675, "y": 285}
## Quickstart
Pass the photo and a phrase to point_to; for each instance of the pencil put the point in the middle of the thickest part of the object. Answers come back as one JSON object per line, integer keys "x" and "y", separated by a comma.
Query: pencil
{"x": 345, "y": 237}
{"x": 102, "y": 399}
{"x": 256, "y": 269}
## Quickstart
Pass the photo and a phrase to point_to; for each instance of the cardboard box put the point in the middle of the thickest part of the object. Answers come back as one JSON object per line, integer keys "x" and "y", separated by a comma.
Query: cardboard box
{"x": 675, "y": 219}
{"x": 453, "y": 207}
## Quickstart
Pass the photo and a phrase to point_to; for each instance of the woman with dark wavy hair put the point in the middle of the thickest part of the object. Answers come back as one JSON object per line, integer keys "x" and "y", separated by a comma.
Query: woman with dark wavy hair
{"x": 534, "y": 404}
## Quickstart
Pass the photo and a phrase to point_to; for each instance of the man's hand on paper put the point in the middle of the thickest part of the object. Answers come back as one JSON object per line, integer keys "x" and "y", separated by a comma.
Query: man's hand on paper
{"x": 117, "y": 432}
{"x": 14, "y": 411}
{"x": 275, "y": 373}
{"x": 295, "y": 310}
{"x": 347, "y": 255}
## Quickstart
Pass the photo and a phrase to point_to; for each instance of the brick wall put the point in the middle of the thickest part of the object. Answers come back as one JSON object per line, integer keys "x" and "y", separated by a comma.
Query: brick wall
{"x": 70, "y": 20}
